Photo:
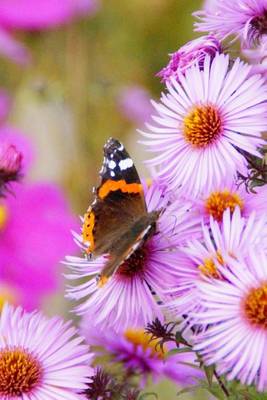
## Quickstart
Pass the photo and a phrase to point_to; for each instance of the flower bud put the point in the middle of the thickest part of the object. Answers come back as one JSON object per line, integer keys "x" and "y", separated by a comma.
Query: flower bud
{"x": 193, "y": 52}
{"x": 10, "y": 164}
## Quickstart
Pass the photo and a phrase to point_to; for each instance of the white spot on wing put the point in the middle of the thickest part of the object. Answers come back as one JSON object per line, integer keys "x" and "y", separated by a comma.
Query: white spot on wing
{"x": 112, "y": 173}
{"x": 124, "y": 164}
{"x": 112, "y": 164}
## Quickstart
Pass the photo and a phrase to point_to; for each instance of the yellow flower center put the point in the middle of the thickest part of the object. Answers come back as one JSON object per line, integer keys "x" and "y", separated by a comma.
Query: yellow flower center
{"x": 20, "y": 372}
{"x": 208, "y": 268}
{"x": 203, "y": 125}
{"x": 219, "y": 201}
{"x": 255, "y": 306}
{"x": 140, "y": 338}
{"x": 3, "y": 216}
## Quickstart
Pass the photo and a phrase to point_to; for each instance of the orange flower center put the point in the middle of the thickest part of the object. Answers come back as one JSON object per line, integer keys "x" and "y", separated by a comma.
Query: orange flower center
{"x": 255, "y": 306}
{"x": 140, "y": 338}
{"x": 218, "y": 202}
{"x": 202, "y": 126}
{"x": 208, "y": 268}
{"x": 20, "y": 372}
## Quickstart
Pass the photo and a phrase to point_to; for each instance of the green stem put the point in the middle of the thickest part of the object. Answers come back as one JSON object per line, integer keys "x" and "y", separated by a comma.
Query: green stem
{"x": 222, "y": 385}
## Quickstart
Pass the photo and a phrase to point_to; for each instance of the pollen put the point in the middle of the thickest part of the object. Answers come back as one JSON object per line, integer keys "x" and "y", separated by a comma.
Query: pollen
{"x": 208, "y": 268}
{"x": 20, "y": 372}
{"x": 219, "y": 201}
{"x": 202, "y": 126}
{"x": 138, "y": 337}
{"x": 255, "y": 306}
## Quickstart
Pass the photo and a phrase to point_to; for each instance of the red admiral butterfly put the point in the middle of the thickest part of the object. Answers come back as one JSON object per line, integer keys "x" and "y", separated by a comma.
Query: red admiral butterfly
{"x": 117, "y": 223}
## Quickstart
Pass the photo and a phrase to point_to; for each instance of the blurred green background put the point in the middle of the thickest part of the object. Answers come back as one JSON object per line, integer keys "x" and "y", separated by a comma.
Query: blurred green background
{"x": 67, "y": 99}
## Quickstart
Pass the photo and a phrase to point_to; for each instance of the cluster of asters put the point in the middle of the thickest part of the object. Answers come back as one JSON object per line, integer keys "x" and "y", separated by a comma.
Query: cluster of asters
{"x": 205, "y": 269}
{"x": 206, "y": 266}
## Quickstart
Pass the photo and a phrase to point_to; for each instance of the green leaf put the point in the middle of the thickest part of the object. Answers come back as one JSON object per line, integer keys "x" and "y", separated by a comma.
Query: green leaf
{"x": 209, "y": 372}
{"x": 179, "y": 339}
{"x": 179, "y": 351}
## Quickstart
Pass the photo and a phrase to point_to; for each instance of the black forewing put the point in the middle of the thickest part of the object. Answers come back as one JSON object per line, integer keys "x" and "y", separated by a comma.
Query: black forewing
{"x": 115, "y": 214}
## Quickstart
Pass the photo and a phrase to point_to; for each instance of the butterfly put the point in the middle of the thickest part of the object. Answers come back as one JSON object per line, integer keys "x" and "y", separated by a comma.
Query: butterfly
{"x": 117, "y": 223}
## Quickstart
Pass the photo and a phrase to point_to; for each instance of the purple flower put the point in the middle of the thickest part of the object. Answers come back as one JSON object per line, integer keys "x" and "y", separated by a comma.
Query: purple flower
{"x": 210, "y": 5}
{"x": 12, "y": 49}
{"x": 28, "y": 15}
{"x": 150, "y": 268}
{"x": 235, "y": 311}
{"x": 201, "y": 259}
{"x": 193, "y": 52}
{"x": 243, "y": 19}
{"x": 10, "y": 136}
{"x": 34, "y": 237}
{"x": 258, "y": 58}
{"x": 230, "y": 195}
{"x": 134, "y": 103}
{"x": 10, "y": 165}
{"x": 41, "y": 358}
{"x": 36, "y": 15}
{"x": 203, "y": 121}
{"x": 140, "y": 354}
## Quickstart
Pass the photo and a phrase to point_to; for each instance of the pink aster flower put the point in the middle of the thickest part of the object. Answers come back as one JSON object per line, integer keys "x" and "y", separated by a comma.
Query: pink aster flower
{"x": 26, "y": 15}
{"x": 34, "y": 237}
{"x": 243, "y": 19}
{"x": 210, "y": 5}
{"x": 40, "y": 358}
{"x": 203, "y": 121}
{"x": 150, "y": 268}
{"x": 257, "y": 56}
{"x": 32, "y": 15}
{"x": 140, "y": 354}
{"x": 13, "y": 49}
{"x": 235, "y": 309}
{"x": 134, "y": 103}
{"x": 193, "y": 52}
{"x": 230, "y": 195}
{"x": 234, "y": 238}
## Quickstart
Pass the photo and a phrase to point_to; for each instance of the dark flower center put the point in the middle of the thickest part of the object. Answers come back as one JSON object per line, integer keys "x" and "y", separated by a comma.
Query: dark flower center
{"x": 258, "y": 27}
{"x": 134, "y": 264}
{"x": 20, "y": 372}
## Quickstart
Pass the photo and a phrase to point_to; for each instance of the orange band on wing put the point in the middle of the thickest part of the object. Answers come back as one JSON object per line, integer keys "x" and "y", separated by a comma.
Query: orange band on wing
{"x": 87, "y": 231}
{"x": 112, "y": 186}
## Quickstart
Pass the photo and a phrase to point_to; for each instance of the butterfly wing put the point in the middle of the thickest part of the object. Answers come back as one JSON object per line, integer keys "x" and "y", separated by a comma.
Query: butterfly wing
{"x": 118, "y": 203}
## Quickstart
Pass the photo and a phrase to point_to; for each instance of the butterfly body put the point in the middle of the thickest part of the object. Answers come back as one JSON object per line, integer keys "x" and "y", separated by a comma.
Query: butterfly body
{"x": 118, "y": 223}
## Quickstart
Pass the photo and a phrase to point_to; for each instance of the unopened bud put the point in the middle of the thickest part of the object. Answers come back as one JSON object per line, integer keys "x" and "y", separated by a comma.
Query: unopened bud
{"x": 10, "y": 165}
